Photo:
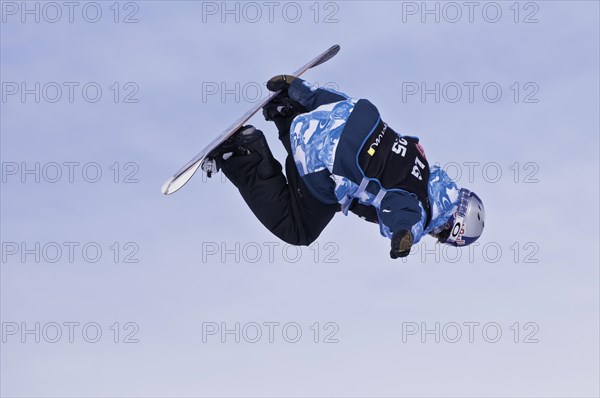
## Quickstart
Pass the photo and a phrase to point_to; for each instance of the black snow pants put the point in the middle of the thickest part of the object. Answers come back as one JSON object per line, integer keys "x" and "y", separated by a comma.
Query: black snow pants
{"x": 284, "y": 205}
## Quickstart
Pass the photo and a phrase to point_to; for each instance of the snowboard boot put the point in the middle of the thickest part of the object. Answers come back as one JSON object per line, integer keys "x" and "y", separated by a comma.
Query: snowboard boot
{"x": 246, "y": 146}
{"x": 233, "y": 146}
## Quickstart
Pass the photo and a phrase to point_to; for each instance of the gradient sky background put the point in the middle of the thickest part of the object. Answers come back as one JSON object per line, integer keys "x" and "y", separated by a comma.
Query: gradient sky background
{"x": 171, "y": 54}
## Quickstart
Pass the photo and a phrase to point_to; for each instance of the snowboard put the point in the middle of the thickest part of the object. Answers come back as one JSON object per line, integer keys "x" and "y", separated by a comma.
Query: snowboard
{"x": 180, "y": 178}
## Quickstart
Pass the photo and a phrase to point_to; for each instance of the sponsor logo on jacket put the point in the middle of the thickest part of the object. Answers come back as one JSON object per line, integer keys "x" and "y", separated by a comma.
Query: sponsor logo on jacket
{"x": 371, "y": 150}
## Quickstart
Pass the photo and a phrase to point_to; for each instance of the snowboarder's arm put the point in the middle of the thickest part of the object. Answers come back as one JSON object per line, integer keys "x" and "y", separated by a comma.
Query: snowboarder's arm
{"x": 399, "y": 211}
{"x": 304, "y": 93}
{"x": 311, "y": 97}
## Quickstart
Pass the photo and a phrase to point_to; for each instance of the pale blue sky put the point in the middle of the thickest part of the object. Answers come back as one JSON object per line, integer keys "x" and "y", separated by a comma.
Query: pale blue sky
{"x": 171, "y": 291}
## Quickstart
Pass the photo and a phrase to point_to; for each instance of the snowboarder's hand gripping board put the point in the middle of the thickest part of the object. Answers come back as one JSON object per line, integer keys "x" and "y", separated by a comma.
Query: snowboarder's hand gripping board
{"x": 280, "y": 82}
{"x": 180, "y": 178}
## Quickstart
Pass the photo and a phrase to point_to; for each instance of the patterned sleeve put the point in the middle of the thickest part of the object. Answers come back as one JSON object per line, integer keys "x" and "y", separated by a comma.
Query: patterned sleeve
{"x": 312, "y": 97}
{"x": 399, "y": 211}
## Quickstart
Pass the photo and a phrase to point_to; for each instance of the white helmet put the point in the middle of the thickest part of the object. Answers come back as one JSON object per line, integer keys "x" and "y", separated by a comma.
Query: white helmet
{"x": 466, "y": 224}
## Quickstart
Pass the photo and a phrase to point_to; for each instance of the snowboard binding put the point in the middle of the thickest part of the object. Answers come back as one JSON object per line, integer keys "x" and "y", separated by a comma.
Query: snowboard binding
{"x": 236, "y": 145}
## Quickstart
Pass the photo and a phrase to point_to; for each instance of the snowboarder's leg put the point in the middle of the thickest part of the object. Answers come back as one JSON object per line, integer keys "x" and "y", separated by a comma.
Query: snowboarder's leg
{"x": 284, "y": 206}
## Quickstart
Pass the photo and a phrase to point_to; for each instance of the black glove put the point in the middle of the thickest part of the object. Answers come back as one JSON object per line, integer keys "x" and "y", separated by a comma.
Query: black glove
{"x": 280, "y": 82}
{"x": 282, "y": 107}
{"x": 401, "y": 243}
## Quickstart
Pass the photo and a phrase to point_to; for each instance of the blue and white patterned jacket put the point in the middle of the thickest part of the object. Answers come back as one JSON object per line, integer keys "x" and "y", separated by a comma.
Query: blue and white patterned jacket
{"x": 325, "y": 143}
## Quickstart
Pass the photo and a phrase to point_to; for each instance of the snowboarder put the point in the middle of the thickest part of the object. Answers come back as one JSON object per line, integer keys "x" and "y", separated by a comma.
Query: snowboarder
{"x": 343, "y": 157}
